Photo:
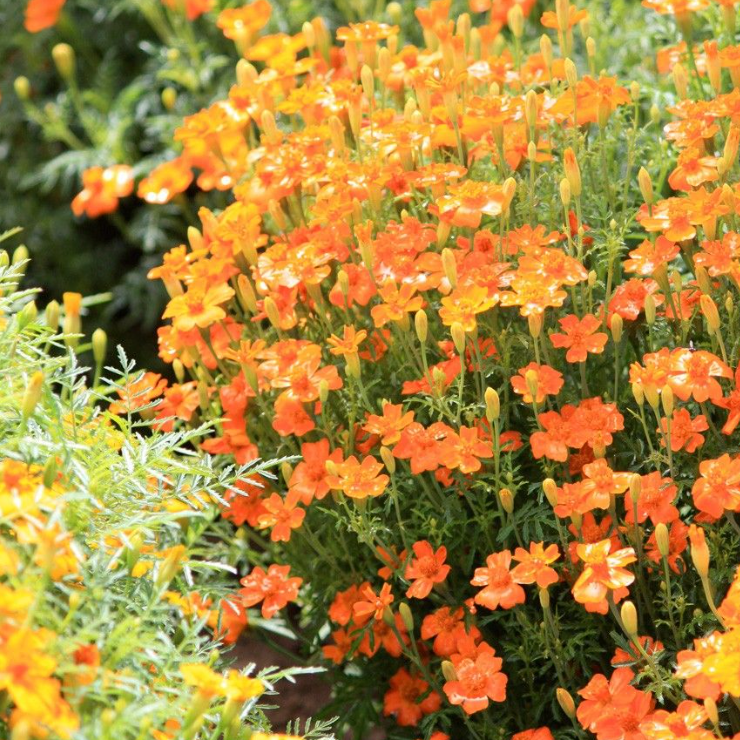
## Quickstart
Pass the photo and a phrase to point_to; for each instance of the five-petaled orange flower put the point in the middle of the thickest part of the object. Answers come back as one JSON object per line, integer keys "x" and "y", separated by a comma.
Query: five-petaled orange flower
{"x": 603, "y": 571}
{"x": 580, "y": 336}
{"x": 426, "y": 569}
{"x": 498, "y": 585}
{"x": 357, "y": 480}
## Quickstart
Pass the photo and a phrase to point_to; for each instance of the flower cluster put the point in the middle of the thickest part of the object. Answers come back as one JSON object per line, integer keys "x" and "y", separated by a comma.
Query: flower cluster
{"x": 111, "y": 620}
{"x": 490, "y": 310}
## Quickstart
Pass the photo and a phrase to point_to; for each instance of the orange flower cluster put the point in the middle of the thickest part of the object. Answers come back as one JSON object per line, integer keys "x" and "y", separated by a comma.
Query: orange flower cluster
{"x": 504, "y": 361}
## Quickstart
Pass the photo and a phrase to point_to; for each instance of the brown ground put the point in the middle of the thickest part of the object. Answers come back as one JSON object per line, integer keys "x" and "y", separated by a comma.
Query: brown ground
{"x": 299, "y": 700}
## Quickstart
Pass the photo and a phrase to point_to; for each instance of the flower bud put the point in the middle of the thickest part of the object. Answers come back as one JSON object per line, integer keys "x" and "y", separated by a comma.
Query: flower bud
{"x": 550, "y": 489}
{"x": 530, "y": 109}
{"x": 458, "y": 337}
{"x": 271, "y": 309}
{"x": 368, "y": 82}
{"x": 532, "y": 151}
{"x": 591, "y": 48}
{"x": 286, "y": 470}
{"x": 638, "y": 393}
{"x": 572, "y": 172}
{"x": 617, "y": 325}
{"x": 649, "y": 309}
{"x": 711, "y": 314}
{"x": 699, "y": 550}
{"x": 635, "y": 91}
{"x": 646, "y": 186}
{"x": 450, "y": 266}
{"x": 64, "y": 59}
{"x": 169, "y": 98}
{"x": 666, "y": 398}
{"x": 566, "y": 702}
{"x": 681, "y": 81}
{"x": 562, "y": 14}
{"x": 565, "y": 192}
{"x": 99, "y": 345}
{"x": 702, "y": 277}
{"x": 662, "y": 539}
{"x": 22, "y": 88}
{"x": 388, "y": 460}
{"x": 531, "y": 379}
{"x": 323, "y": 390}
{"x": 408, "y": 618}
{"x": 448, "y": 671}
{"x": 571, "y": 73}
{"x": 515, "y": 19}
{"x": 421, "y": 324}
{"x": 534, "y": 323}
{"x": 546, "y": 51}
{"x": 544, "y": 598}
{"x": 309, "y": 35}
{"x": 628, "y": 614}
{"x": 32, "y": 395}
{"x": 507, "y": 500}
{"x": 493, "y": 404}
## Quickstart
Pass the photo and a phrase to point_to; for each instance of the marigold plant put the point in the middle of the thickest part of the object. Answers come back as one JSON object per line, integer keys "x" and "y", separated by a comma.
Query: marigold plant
{"x": 117, "y": 608}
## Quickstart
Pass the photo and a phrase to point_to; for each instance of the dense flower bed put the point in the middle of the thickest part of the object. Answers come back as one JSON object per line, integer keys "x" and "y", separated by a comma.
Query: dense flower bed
{"x": 485, "y": 294}
{"x": 114, "y": 597}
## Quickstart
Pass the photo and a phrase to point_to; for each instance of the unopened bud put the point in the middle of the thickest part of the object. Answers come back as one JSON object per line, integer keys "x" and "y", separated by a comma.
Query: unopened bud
{"x": 515, "y": 18}
{"x": 649, "y": 309}
{"x": 646, "y": 185}
{"x": 507, "y": 500}
{"x": 99, "y": 345}
{"x": 421, "y": 325}
{"x": 711, "y": 314}
{"x": 169, "y": 98}
{"x": 681, "y": 81}
{"x": 550, "y": 489}
{"x": 662, "y": 539}
{"x": 448, "y": 671}
{"x": 22, "y": 87}
{"x": 629, "y": 618}
{"x": 388, "y": 460}
{"x": 64, "y": 59}
{"x": 406, "y": 616}
{"x": 566, "y": 702}
{"x": 458, "y": 337}
{"x": 450, "y": 266}
{"x": 565, "y": 192}
{"x": 32, "y": 395}
{"x": 493, "y": 404}
{"x": 616, "y": 327}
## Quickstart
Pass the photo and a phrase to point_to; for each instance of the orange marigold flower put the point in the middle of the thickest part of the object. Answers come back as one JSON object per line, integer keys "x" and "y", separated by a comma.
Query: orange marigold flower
{"x": 654, "y": 501}
{"x": 390, "y": 424}
{"x": 603, "y": 572}
{"x": 41, "y": 14}
{"x": 358, "y": 480}
{"x": 309, "y": 477}
{"x": 281, "y": 515}
{"x": 397, "y": 304}
{"x": 684, "y": 431}
{"x": 426, "y": 569}
{"x": 239, "y": 24}
{"x": 422, "y": 447}
{"x": 693, "y": 374}
{"x": 349, "y": 343}
{"x": 466, "y": 202}
{"x": 549, "y": 382}
{"x": 166, "y": 181}
{"x": 463, "y": 304}
{"x": 102, "y": 189}
{"x": 686, "y": 722}
{"x": 676, "y": 7}
{"x": 199, "y": 306}
{"x": 718, "y": 487}
{"x": 580, "y": 337}
{"x": 498, "y": 585}
{"x": 372, "y": 604}
{"x": 404, "y": 699}
{"x": 602, "y": 694}
{"x": 549, "y": 18}
{"x": 648, "y": 257}
{"x": 274, "y": 589}
{"x": 732, "y": 404}
{"x": 463, "y": 449}
{"x": 192, "y": 8}
{"x": 534, "y": 566}
{"x": 478, "y": 681}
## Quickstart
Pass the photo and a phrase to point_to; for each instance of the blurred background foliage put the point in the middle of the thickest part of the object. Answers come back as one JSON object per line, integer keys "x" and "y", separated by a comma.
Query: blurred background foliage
{"x": 128, "y": 53}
